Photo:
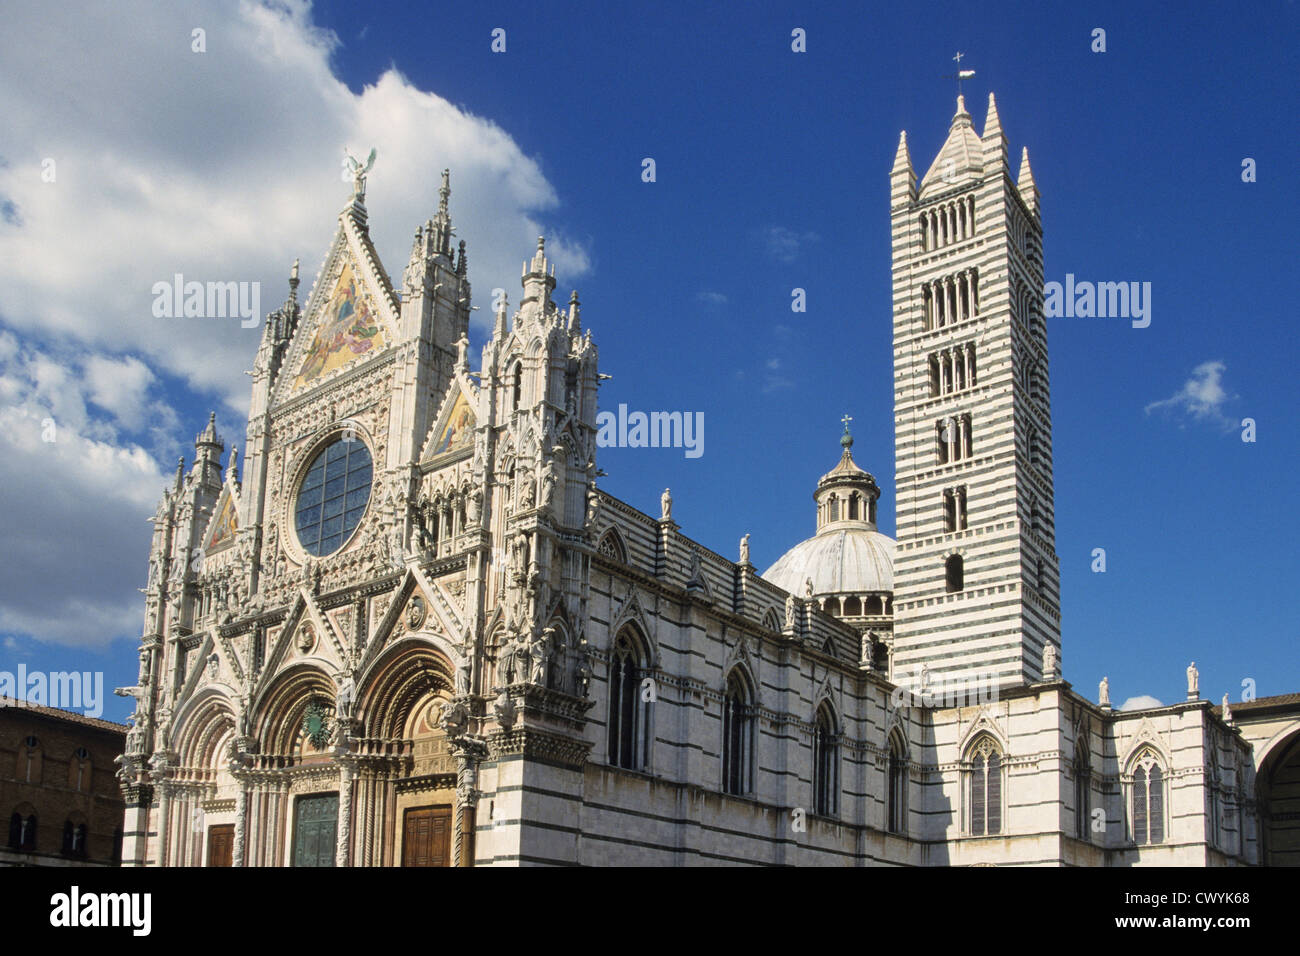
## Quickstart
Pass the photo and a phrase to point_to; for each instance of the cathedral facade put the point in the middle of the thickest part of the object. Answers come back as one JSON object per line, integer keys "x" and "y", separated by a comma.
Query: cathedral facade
{"x": 415, "y": 632}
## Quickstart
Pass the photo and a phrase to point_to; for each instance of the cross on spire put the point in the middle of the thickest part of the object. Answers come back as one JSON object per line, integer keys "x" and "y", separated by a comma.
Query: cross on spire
{"x": 960, "y": 74}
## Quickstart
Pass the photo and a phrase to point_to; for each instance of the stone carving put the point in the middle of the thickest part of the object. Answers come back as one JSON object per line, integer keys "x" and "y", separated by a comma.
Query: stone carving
{"x": 539, "y": 656}
{"x": 548, "y": 484}
{"x": 359, "y": 171}
{"x": 583, "y": 673}
{"x": 1103, "y": 692}
{"x": 455, "y": 719}
{"x": 789, "y": 611}
{"x": 416, "y": 612}
{"x": 1193, "y": 682}
{"x": 1049, "y": 661}
{"x": 505, "y": 711}
{"x": 343, "y": 699}
{"x": 463, "y": 671}
{"x": 1227, "y": 711}
{"x": 666, "y": 506}
{"x": 744, "y": 549}
{"x": 808, "y": 588}
{"x": 869, "y": 649}
{"x": 527, "y": 492}
{"x": 306, "y": 637}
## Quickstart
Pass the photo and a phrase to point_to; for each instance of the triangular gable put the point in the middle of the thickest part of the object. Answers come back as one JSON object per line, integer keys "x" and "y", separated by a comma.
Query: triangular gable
{"x": 456, "y": 423}
{"x": 224, "y": 523}
{"x": 351, "y": 315}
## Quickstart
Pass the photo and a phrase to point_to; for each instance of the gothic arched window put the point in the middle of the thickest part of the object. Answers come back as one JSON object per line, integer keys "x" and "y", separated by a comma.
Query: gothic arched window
{"x": 628, "y": 713}
{"x": 611, "y": 547}
{"x": 825, "y": 764}
{"x": 1147, "y": 799}
{"x": 985, "y": 788}
{"x": 896, "y": 787}
{"x": 1082, "y": 789}
{"x": 516, "y": 385}
{"x": 737, "y": 736}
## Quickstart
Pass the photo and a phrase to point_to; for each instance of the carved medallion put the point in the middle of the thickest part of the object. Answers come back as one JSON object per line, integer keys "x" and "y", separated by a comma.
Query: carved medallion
{"x": 415, "y": 612}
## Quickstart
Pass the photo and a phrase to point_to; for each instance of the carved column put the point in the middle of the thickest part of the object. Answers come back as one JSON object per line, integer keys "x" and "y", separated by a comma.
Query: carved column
{"x": 241, "y": 823}
{"x": 466, "y": 803}
{"x": 164, "y": 819}
{"x": 341, "y": 852}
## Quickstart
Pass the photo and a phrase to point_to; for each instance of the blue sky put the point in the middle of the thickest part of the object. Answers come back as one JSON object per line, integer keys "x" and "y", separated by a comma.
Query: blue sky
{"x": 772, "y": 173}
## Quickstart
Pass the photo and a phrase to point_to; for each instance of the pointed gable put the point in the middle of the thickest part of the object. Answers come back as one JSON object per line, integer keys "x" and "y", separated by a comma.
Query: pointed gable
{"x": 352, "y": 314}
{"x": 224, "y": 524}
{"x": 456, "y": 421}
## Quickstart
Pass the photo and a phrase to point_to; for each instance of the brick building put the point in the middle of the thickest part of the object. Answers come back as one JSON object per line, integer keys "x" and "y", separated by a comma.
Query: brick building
{"x": 58, "y": 793}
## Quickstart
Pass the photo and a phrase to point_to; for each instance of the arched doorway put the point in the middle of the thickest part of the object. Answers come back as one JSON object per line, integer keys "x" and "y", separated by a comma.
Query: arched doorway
{"x": 1277, "y": 788}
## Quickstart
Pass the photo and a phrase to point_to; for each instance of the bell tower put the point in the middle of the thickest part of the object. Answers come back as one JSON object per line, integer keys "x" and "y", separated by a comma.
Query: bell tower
{"x": 976, "y": 584}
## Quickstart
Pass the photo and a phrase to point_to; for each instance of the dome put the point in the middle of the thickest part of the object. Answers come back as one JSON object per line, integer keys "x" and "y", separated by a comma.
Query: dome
{"x": 850, "y": 559}
{"x": 847, "y": 554}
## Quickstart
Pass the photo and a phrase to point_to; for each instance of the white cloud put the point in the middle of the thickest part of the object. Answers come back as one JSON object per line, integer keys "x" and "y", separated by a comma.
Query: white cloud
{"x": 711, "y": 298}
{"x": 222, "y": 166}
{"x": 1201, "y": 399}
{"x": 76, "y": 506}
{"x": 785, "y": 245}
{"x": 225, "y": 165}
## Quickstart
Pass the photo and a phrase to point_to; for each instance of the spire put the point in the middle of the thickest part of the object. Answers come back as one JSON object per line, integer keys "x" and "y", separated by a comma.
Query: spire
{"x": 441, "y": 223}
{"x": 961, "y": 117}
{"x": 232, "y": 469}
{"x": 960, "y": 161}
{"x": 995, "y": 142}
{"x": 209, "y": 437}
{"x": 575, "y": 312}
{"x": 208, "y": 447}
{"x": 539, "y": 279}
{"x": 180, "y": 474}
{"x": 462, "y": 260}
{"x": 902, "y": 158}
{"x": 992, "y": 122}
{"x": 1025, "y": 182}
{"x": 503, "y": 308}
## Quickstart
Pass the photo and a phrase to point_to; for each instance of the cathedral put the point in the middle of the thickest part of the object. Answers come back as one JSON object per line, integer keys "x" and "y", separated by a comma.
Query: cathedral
{"x": 408, "y": 629}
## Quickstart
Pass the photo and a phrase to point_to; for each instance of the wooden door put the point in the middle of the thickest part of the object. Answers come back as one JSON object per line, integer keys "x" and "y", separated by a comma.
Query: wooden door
{"x": 315, "y": 830}
{"x": 426, "y": 837}
{"x": 221, "y": 844}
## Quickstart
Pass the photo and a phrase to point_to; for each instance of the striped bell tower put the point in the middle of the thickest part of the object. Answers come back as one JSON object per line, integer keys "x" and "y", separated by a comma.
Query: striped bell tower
{"x": 976, "y": 584}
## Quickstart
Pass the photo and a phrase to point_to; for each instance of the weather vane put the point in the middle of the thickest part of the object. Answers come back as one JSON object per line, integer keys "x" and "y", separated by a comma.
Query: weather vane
{"x": 960, "y": 74}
